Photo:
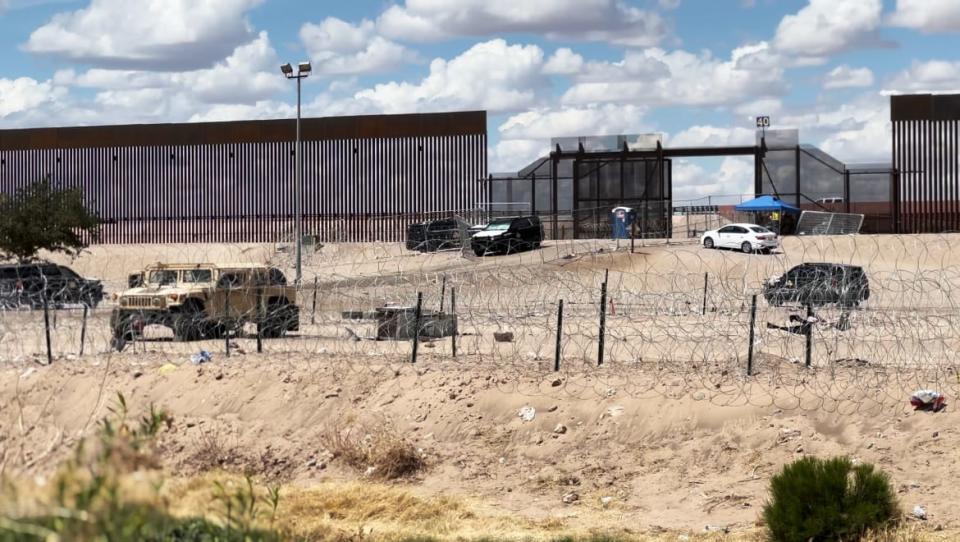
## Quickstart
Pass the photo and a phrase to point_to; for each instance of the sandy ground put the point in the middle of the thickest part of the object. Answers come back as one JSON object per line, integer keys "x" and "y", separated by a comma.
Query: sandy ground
{"x": 670, "y": 428}
{"x": 666, "y": 458}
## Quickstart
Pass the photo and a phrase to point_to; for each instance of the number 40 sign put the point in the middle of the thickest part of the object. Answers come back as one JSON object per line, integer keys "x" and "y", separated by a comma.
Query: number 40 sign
{"x": 763, "y": 122}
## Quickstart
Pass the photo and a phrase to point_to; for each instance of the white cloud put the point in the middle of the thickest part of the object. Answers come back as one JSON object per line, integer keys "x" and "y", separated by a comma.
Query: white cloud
{"x": 857, "y": 131}
{"x": 824, "y": 27}
{"x": 928, "y": 15}
{"x": 563, "y": 62}
{"x": 669, "y": 4}
{"x": 511, "y": 155}
{"x": 337, "y": 47}
{"x": 592, "y": 20}
{"x": 607, "y": 119}
{"x": 526, "y": 136}
{"x": 930, "y": 76}
{"x": 242, "y": 85}
{"x": 654, "y": 76}
{"x": 249, "y": 74}
{"x": 23, "y": 94}
{"x": 246, "y": 76}
{"x": 846, "y": 77}
{"x": 266, "y": 109}
{"x": 146, "y": 34}
{"x": 713, "y": 136}
{"x": 491, "y": 75}
{"x": 761, "y": 107}
{"x": 692, "y": 182}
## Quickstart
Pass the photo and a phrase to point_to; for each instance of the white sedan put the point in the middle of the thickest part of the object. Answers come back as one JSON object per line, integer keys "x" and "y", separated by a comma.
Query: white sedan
{"x": 745, "y": 237}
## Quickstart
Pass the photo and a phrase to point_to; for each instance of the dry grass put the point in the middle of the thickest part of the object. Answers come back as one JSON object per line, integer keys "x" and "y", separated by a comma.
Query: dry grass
{"x": 380, "y": 453}
{"x": 376, "y": 512}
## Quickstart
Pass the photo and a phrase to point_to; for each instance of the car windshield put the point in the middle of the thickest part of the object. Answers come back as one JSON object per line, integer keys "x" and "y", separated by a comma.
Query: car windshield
{"x": 197, "y": 275}
{"x": 163, "y": 277}
{"x": 499, "y": 226}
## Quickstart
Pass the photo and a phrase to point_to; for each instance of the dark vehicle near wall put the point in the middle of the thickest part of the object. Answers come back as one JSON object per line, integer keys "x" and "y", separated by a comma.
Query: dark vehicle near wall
{"x": 506, "y": 235}
{"x": 434, "y": 235}
{"x": 32, "y": 284}
{"x": 819, "y": 284}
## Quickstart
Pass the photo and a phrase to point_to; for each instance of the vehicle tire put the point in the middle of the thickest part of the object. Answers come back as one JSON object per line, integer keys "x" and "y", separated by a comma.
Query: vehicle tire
{"x": 478, "y": 251}
{"x": 746, "y": 248}
{"x": 276, "y": 319}
{"x": 188, "y": 324}
{"x": 89, "y": 301}
{"x": 708, "y": 242}
{"x": 123, "y": 331}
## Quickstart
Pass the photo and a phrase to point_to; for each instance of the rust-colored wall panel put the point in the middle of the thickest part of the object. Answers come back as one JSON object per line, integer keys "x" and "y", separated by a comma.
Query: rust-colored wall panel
{"x": 258, "y": 131}
{"x": 364, "y": 178}
{"x": 926, "y": 157}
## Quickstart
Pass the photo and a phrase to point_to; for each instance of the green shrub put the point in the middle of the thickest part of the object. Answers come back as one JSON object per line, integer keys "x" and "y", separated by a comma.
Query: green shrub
{"x": 832, "y": 499}
{"x": 89, "y": 502}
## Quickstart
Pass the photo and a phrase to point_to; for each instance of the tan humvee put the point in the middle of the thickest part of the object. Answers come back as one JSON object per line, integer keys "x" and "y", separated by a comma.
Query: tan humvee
{"x": 204, "y": 300}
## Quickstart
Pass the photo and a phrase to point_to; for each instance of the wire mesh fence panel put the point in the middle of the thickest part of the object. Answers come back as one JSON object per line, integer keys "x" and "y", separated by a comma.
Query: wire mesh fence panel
{"x": 676, "y": 317}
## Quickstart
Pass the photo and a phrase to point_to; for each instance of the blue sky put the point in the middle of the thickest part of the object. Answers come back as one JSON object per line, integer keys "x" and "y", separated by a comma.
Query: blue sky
{"x": 695, "y": 71}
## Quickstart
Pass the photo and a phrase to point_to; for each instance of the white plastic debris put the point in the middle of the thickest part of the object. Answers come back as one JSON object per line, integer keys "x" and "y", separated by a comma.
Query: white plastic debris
{"x": 927, "y": 400}
{"x": 528, "y": 413}
{"x": 615, "y": 410}
{"x": 919, "y": 512}
{"x": 201, "y": 357}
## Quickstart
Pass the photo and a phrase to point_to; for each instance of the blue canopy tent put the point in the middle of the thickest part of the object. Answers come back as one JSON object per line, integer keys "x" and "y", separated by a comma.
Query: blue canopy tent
{"x": 768, "y": 204}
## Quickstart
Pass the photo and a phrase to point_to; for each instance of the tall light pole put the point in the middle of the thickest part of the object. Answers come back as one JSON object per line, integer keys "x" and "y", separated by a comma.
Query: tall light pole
{"x": 303, "y": 70}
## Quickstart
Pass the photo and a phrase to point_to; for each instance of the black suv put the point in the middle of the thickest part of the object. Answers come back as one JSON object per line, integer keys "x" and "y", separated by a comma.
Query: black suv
{"x": 434, "y": 235}
{"x": 819, "y": 284}
{"x": 506, "y": 235}
{"x": 30, "y": 284}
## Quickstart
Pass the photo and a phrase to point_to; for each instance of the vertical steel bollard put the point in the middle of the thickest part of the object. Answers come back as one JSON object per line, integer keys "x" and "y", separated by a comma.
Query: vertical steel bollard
{"x": 456, "y": 326}
{"x": 706, "y": 280}
{"x": 416, "y": 326}
{"x": 46, "y": 327}
{"x": 313, "y": 311}
{"x": 809, "y": 324}
{"x": 753, "y": 320}
{"x": 556, "y": 358}
{"x": 603, "y": 317}
{"x": 83, "y": 329}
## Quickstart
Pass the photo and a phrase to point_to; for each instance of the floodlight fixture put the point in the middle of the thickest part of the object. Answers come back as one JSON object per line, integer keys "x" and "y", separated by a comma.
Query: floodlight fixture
{"x": 287, "y": 69}
{"x": 304, "y": 68}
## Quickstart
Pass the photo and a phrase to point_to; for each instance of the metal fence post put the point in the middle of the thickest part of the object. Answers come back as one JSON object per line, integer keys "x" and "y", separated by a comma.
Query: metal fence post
{"x": 259, "y": 320}
{"x": 456, "y": 326}
{"x": 809, "y": 323}
{"x": 416, "y": 326}
{"x": 603, "y": 317}
{"x": 83, "y": 329}
{"x": 443, "y": 292}
{"x": 313, "y": 312}
{"x": 753, "y": 319}
{"x": 706, "y": 280}
{"x": 556, "y": 358}
{"x": 46, "y": 327}
{"x": 225, "y": 322}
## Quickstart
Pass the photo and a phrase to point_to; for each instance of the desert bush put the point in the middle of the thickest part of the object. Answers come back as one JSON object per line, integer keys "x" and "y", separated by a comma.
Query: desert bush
{"x": 389, "y": 455}
{"x": 832, "y": 499}
{"x": 90, "y": 501}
